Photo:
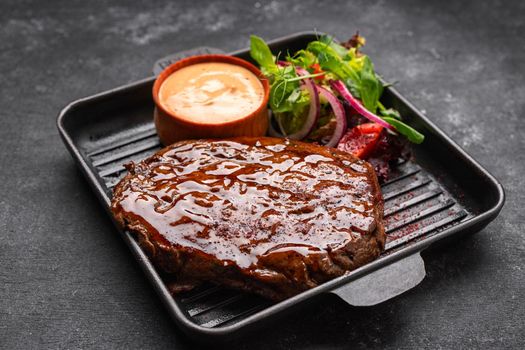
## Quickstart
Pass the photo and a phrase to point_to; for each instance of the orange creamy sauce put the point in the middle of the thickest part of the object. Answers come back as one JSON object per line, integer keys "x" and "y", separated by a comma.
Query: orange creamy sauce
{"x": 211, "y": 93}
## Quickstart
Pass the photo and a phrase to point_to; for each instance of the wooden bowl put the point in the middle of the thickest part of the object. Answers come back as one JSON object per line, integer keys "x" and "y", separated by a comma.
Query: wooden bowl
{"x": 171, "y": 128}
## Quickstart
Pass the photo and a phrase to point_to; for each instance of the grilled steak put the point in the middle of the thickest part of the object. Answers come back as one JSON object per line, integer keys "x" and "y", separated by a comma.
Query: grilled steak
{"x": 264, "y": 215}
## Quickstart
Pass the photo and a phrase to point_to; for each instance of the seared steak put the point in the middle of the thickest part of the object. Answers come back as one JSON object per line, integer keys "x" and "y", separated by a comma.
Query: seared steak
{"x": 265, "y": 215}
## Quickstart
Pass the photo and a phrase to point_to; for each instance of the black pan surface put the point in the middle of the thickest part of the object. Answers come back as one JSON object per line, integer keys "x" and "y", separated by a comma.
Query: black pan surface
{"x": 442, "y": 193}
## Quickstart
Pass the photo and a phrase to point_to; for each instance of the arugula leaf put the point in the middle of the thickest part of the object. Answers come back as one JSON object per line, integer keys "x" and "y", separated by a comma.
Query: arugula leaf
{"x": 390, "y": 112}
{"x": 340, "y": 50}
{"x": 284, "y": 89}
{"x": 411, "y": 134}
{"x": 371, "y": 88}
{"x": 357, "y": 72}
{"x": 318, "y": 47}
{"x": 302, "y": 58}
{"x": 262, "y": 54}
{"x": 354, "y": 60}
{"x": 330, "y": 60}
{"x": 284, "y": 84}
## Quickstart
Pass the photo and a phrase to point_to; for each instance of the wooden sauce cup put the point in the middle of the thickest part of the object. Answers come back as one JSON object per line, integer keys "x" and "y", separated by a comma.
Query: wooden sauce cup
{"x": 172, "y": 128}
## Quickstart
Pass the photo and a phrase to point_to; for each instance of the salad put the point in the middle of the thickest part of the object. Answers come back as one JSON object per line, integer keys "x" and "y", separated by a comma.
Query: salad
{"x": 330, "y": 94}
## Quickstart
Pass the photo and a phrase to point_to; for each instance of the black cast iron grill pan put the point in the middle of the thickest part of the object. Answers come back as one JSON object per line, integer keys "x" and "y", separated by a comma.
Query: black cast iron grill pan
{"x": 442, "y": 193}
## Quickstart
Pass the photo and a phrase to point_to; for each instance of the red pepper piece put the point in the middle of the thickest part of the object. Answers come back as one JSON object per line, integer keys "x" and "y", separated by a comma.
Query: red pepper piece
{"x": 361, "y": 139}
{"x": 316, "y": 69}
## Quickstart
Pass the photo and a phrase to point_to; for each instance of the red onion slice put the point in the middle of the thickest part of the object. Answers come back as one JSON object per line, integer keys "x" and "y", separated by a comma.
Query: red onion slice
{"x": 340, "y": 87}
{"x": 313, "y": 112}
{"x": 340, "y": 116}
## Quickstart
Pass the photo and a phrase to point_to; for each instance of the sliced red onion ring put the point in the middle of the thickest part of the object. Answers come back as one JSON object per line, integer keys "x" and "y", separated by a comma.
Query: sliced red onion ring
{"x": 340, "y": 116}
{"x": 340, "y": 87}
{"x": 313, "y": 112}
{"x": 302, "y": 71}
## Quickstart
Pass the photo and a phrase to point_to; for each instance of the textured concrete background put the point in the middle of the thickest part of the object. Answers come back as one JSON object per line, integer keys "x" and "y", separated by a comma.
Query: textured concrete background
{"x": 68, "y": 281}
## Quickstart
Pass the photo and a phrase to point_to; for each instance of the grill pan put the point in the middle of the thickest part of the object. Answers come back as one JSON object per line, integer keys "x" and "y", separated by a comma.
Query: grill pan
{"x": 443, "y": 192}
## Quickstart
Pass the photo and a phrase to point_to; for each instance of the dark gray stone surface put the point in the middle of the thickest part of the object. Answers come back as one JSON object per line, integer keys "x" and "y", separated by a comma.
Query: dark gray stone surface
{"x": 68, "y": 281}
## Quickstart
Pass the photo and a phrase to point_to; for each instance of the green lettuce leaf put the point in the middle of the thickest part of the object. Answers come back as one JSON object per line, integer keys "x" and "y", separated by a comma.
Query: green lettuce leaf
{"x": 262, "y": 54}
{"x": 411, "y": 134}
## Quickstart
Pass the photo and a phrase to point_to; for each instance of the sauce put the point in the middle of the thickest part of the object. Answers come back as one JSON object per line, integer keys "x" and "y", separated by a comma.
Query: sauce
{"x": 242, "y": 199}
{"x": 211, "y": 93}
